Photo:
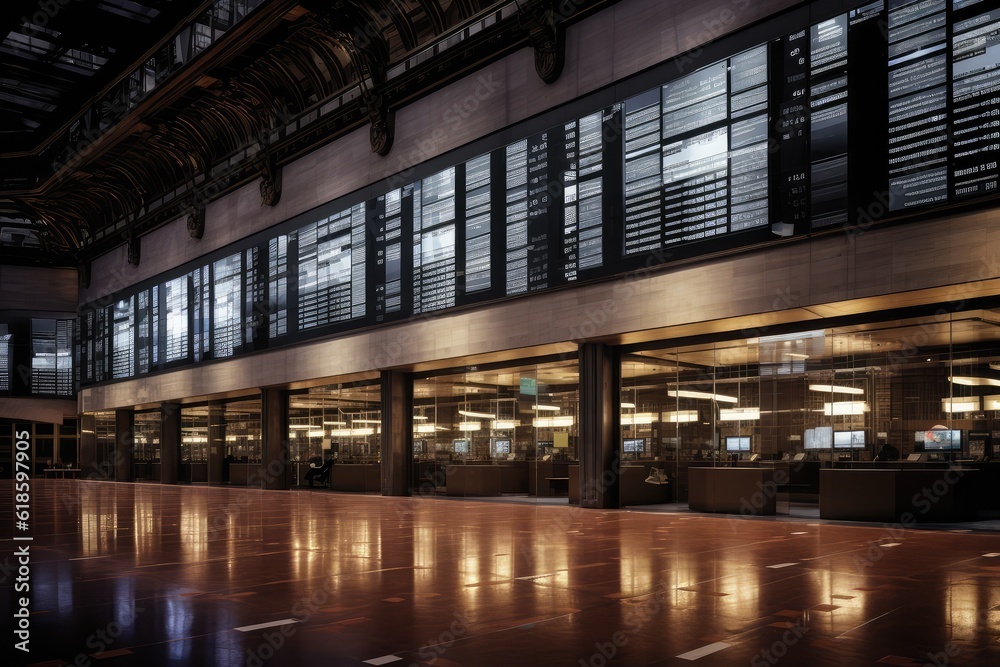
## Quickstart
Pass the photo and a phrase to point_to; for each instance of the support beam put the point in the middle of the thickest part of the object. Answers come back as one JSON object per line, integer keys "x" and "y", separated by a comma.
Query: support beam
{"x": 124, "y": 461}
{"x": 170, "y": 443}
{"x": 275, "y": 465}
{"x": 89, "y": 468}
{"x": 600, "y": 424}
{"x": 397, "y": 433}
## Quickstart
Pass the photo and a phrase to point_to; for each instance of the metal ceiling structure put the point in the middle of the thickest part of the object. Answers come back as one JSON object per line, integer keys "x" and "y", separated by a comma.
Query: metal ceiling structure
{"x": 117, "y": 116}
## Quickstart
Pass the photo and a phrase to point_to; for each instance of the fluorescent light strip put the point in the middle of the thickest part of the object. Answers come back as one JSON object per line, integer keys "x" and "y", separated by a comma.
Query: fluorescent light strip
{"x": 963, "y": 404}
{"x": 628, "y": 406}
{"x": 971, "y": 381}
{"x": 839, "y": 408}
{"x": 552, "y": 422}
{"x": 469, "y": 426}
{"x": 504, "y": 424}
{"x": 477, "y": 415}
{"x": 685, "y": 393}
{"x": 638, "y": 419}
{"x": 836, "y": 389}
{"x": 680, "y": 417}
{"x": 367, "y": 421}
{"x": 739, "y": 414}
{"x": 334, "y": 423}
{"x": 542, "y": 408}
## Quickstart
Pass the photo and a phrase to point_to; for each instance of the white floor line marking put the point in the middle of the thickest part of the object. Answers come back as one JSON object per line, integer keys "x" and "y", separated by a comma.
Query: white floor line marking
{"x": 867, "y": 622}
{"x": 383, "y": 660}
{"x": 261, "y": 626}
{"x": 703, "y": 651}
{"x": 780, "y": 565}
{"x": 890, "y": 544}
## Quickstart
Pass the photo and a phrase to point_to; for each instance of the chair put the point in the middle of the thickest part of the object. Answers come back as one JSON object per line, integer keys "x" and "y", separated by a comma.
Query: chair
{"x": 321, "y": 474}
{"x": 657, "y": 476}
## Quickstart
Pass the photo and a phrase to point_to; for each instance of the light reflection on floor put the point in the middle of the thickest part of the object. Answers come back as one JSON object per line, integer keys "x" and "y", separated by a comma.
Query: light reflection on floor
{"x": 153, "y": 574}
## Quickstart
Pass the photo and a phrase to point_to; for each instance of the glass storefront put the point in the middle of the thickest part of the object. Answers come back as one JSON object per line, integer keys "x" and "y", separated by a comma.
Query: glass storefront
{"x": 338, "y": 424}
{"x": 923, "y": 389}
{"x": 146, "y": 434}
{"x": 500, "y": 432}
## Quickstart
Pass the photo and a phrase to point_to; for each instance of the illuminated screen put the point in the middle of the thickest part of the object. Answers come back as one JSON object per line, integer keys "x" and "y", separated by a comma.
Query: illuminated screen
{"x": 501, "y": 446}
{"x": 936, "y": 440}
{"x": 634, "y": 445}
{"x": 843, "y": 439}
{"x": 460, "y": 446}
{"x": 738, "y": 443}
{"x": 820, "y": 437}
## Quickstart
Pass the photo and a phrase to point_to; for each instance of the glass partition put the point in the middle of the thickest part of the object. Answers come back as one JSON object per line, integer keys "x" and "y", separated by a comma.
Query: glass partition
{"x": 339, "y": 424}
{"x": 497, "y": 432}
{"x": 925, "y": 390}
{"x": 147, "y": 446}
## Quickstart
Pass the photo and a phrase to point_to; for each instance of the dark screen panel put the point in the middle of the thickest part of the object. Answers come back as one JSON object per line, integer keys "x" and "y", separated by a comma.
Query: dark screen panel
{"x": 918, "y": 103}
{"x": 434, "y": 238}
{"x": 975, "y": 104}
{"x": 828, "y": 122}
{"x": 226, "y": 324}
{"x": 388, "y": 245}
{"x": 478, "y": 230}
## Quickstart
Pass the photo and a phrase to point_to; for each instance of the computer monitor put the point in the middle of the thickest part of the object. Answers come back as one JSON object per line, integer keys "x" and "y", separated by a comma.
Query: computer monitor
{"x": 939, "y": 439}
{"x": 738, "y": 443}
{"x": 501, "y": 446}
{"x": 848, "y": 439}
{"x": 460, "y": 446}
{"x": 634, "y": 445}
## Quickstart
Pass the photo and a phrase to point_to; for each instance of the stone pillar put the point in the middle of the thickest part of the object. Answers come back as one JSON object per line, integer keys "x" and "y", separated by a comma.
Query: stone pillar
{"x": 600, "y": 425}
{"x": 275, "y": 466}
{"x": 397, "y": 433}
{"x": 124, "y": 462}
{"x": 170, "y": 443}
{"x": 89, "y": 467}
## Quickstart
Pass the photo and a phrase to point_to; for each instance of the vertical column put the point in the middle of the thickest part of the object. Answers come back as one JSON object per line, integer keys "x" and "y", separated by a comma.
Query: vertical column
{"x": 124, "y": 462}
{"x": 397, "y": 433}
{"x": 600, "y": 421}
{"x": 216, "y": 442}
{"x": 88, "y": 446}
{"x": 170, "y": 442}
{"x": 275, "y": 464}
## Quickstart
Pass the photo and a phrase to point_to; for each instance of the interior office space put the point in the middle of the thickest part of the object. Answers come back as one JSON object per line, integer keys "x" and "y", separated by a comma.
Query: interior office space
{"x": 728, "y": 257}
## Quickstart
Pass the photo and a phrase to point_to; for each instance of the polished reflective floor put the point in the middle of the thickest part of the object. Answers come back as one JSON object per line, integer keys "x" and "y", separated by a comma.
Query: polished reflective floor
{"x": 127, "y": 574}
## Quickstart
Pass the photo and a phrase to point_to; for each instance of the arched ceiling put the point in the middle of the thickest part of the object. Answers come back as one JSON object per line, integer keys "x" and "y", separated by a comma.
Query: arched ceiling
{"x": 80, "y": 176}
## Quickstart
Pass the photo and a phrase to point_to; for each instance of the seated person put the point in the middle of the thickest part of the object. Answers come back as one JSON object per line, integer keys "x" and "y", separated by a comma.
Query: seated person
{"x": 320, "y": 473}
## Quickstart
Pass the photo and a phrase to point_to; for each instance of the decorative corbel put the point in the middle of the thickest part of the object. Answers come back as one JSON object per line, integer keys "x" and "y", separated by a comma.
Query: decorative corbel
{"x": 270, "y": 173}
{"x": 547, "y": 37}
{"x": 83, "y": 273}
{"x": 132, "y": 247}
{"x": 196, "y": 221}
{"x": 369, "y": 57}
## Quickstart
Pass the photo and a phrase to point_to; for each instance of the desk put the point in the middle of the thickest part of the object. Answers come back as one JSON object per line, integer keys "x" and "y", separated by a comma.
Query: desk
{"x": 62, "y": 472}
{"x": 558, "y": 486}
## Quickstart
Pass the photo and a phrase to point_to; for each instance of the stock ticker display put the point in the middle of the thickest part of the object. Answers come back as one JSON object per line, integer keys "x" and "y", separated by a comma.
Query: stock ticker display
{"x": 894, "y": 101}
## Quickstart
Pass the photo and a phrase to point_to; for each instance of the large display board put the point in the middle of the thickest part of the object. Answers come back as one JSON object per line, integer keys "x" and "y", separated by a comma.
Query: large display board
{"x": 832, "y": 115}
